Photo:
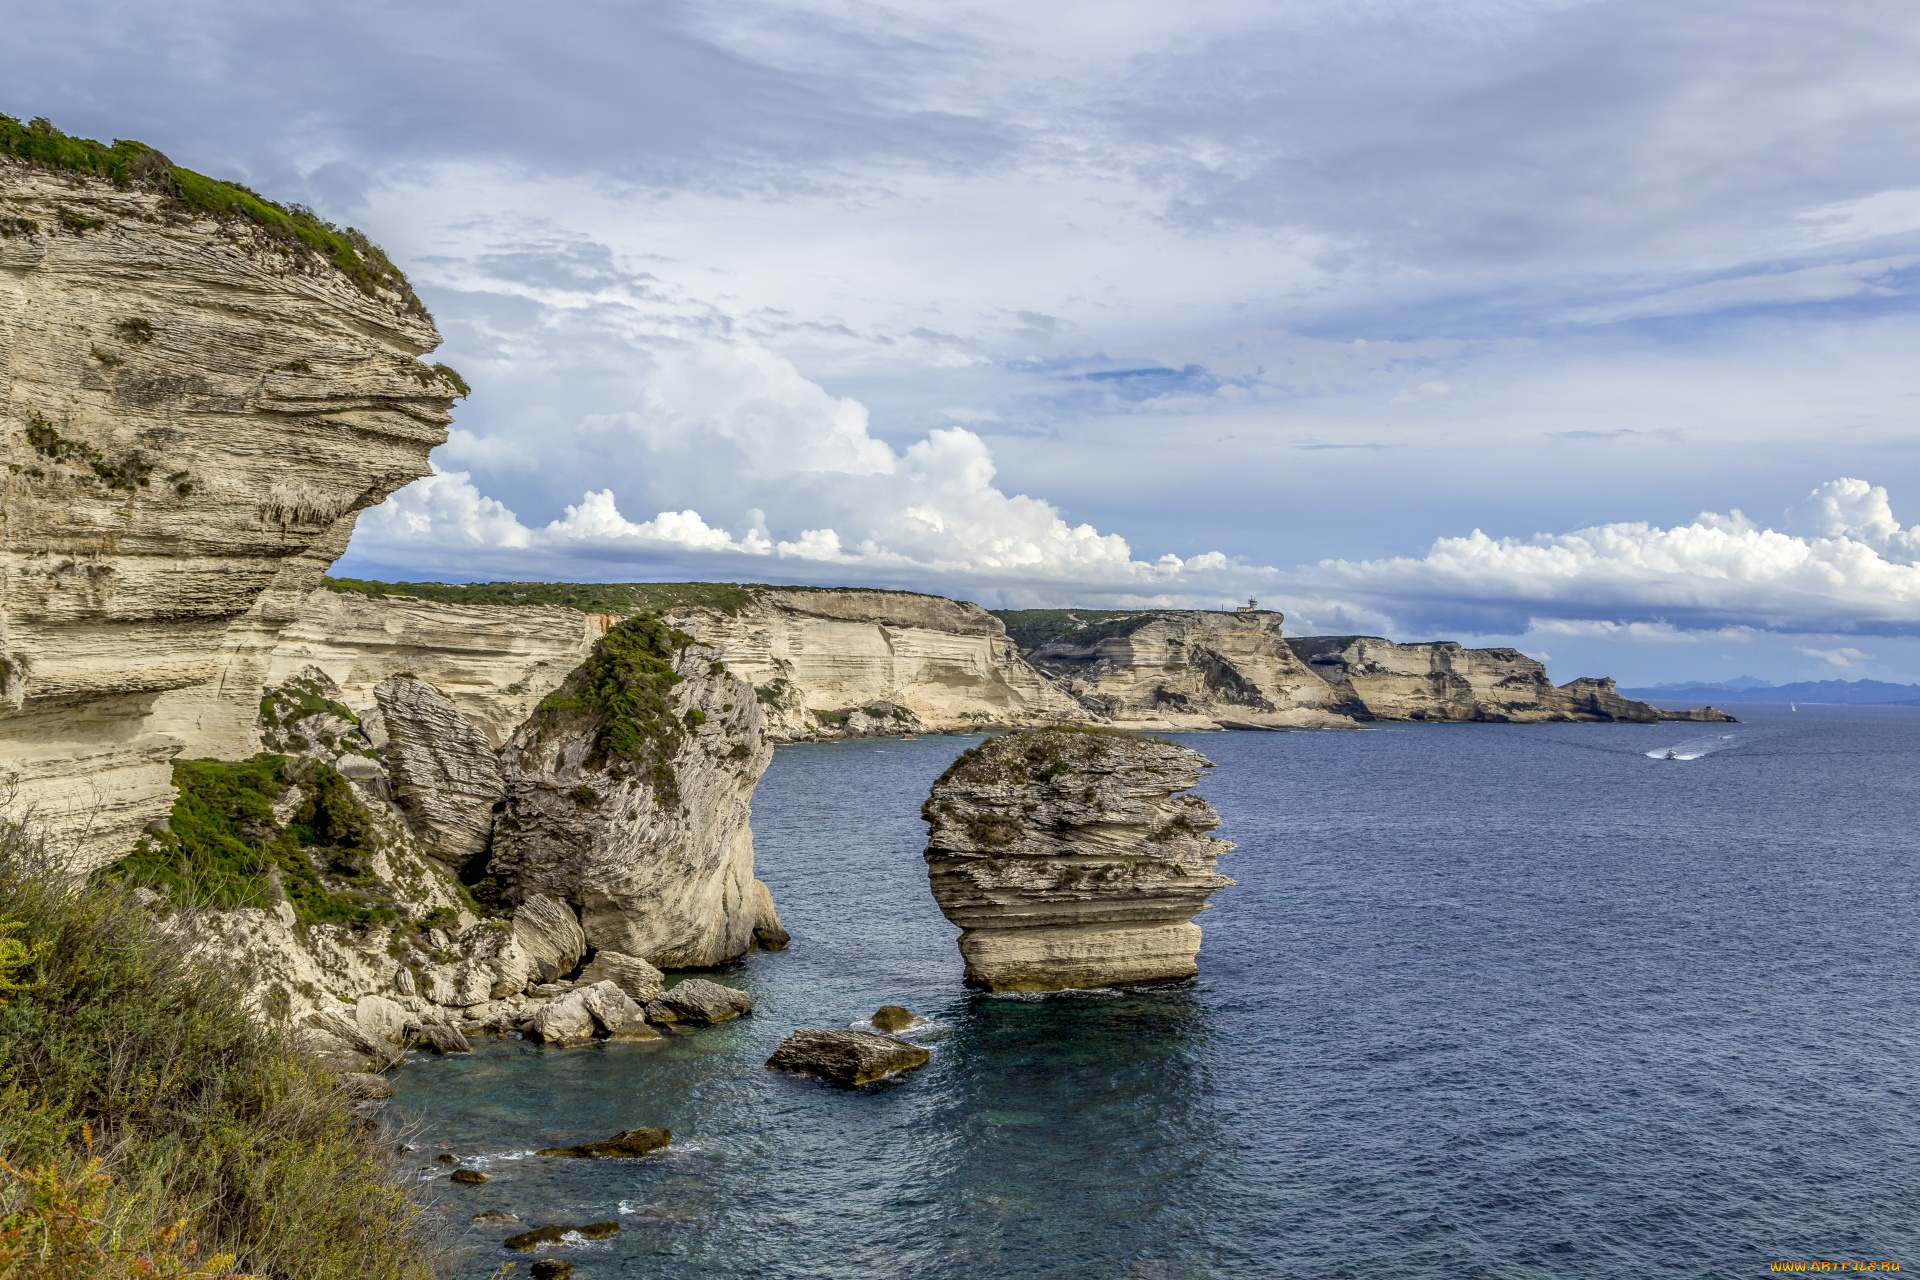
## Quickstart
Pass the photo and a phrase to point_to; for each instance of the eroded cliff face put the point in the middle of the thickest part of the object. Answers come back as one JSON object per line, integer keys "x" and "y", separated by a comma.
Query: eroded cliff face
{"x": 1069, "y": 859}
{"x": 193, "y": 414}
{"x": 629, "y": 794}
{"x": 495, "y": 662}
{"x": 823, "y": 664}
{"x": 828, "y": 664}
{"x": 1376, "y": 679}
{"x": 1191, "y": 669}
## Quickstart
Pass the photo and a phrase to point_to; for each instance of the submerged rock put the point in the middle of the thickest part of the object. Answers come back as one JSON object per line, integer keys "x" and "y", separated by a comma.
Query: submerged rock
{"x": 438, "y": 1038}
{"x": 845, "y": 1058}
{"x": 557, "y": 1233}
{"x": 891, "y": 1017}
{"x": 551, "y": 1269}
{"x": 1068, "y": 859}
{"x": 700, "y": 1001}
{"x": 495, "y": 1217}
{"x": 625, "y": 1145}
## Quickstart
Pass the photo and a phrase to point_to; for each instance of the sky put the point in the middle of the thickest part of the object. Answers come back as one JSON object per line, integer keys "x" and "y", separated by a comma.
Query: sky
{"x": 1585, "y": 326}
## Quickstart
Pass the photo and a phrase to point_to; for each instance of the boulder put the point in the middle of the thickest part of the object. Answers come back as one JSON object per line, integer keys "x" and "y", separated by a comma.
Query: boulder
{"x": 381, "y": 1017}
{"x": 700, "y": 1001}
{"x": 890, "y": 1018}
{"x": 339, "y": 1040}
{"x": 551, "y": 1269}
{"x": 444, "y": 773}
{"x": 469, "y": 1177}
{"x": 364, "y": 1087}
{"x": 495, "y": 1217}
{"x": 573, "y": 1018}
{"x": 845, "y": 1058}
{"x": 549, "y": 935}
{"x": 631, "y": 974}
{"x": 625, "y": 1145}
{"x": 1069, "y": 858}
{"x": 440, "y": 1039}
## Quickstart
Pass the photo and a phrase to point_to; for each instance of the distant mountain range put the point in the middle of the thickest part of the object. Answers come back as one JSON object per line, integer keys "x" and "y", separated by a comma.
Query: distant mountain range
{"x": 1748, "y": 689}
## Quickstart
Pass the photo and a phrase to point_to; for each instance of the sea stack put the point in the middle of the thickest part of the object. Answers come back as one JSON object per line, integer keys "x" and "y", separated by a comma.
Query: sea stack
{"x": 1069, "y": 859}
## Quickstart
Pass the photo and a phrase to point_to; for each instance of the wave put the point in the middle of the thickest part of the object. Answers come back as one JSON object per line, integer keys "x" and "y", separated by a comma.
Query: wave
{"x": 1695, "y": 748}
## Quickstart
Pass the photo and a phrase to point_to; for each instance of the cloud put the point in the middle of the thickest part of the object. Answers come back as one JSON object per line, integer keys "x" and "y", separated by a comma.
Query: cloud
{"x": 1852, "y": 571}
{"x": 1844, "y": 658}
{"x": 774, "y": 441}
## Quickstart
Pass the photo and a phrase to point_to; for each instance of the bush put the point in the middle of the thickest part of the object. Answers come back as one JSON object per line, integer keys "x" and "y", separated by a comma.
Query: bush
{"x": 143, "y": 1111}
{"x": 223, "y": 846}
{"x": 622, "y": 688}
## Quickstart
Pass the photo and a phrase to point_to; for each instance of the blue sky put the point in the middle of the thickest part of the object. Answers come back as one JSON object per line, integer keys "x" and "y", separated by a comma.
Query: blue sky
{"x": 1424, "y": 319}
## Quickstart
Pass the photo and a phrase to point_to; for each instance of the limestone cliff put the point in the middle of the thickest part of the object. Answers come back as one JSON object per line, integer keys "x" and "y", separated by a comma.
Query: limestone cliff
{"x": 823, "y": 663}
{"x": 1376, "y": 679}
{"x": 1177, "y": 669}
{"x": 628, "y": 795}
{"x": 1194, "y": 669}
{"x": 1069, "y": 859}
{"x": 197, "y": 401}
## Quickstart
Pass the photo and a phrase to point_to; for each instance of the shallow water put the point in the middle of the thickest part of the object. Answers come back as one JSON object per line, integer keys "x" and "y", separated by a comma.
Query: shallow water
{"x": 1487, "y": 1001}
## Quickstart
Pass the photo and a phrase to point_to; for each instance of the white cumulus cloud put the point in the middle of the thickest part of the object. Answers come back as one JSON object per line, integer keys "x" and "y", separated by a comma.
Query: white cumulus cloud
{"x": 1844, "y": 564}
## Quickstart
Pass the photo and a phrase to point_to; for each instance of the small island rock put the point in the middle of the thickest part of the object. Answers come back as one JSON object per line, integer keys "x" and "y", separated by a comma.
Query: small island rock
{"x": 469, "y": 1176}
{"x": 626, "y": 1144}
{"x": 558, "y": 1232}
{"x": 697, "y": 1000}
{"x": 1069, "y": 858}
{"x": 845, "y": 1058}
{"x": 891, "y": 1018}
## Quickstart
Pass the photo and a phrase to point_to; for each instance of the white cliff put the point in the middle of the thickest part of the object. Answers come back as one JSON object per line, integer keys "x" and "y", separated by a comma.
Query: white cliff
{"x": 192, "y": 412}
{"x": 628, "y": 795}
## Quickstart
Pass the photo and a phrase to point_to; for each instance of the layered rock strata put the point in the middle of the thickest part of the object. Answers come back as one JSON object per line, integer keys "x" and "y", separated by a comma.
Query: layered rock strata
{"x": 634, "y": 809}
{"x": 1069, "y": 858}
{"x": 823, "y": 664}
{"x": 442, "y": 770}
{"x": 194, "y": 412}
{"x": 1376, "y": 679}
{"x": 1190, "y": 669}
{"x": 834, "y": 664}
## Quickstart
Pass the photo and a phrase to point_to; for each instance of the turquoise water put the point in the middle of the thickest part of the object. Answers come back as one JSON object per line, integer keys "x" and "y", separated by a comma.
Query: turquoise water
{"x": 1487, "y": 1001}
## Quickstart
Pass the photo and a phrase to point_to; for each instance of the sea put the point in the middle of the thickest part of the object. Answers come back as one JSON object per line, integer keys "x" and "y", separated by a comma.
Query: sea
{"x": 1487, "y": 1000}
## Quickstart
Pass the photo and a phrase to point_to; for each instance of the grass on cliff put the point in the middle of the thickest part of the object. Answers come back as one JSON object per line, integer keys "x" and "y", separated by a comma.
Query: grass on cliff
{"x": 223, "y": 846}
{"x": 1031, "y": 628}
{"x": 149, "y": 1125}
{"x": 623, "y": 689}
{"x": 130, "y": 164}
{"x": 588, "y": 597}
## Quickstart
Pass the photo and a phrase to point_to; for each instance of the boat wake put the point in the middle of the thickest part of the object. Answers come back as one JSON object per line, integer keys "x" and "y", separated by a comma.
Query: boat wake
{"x": 1694, "y": 748}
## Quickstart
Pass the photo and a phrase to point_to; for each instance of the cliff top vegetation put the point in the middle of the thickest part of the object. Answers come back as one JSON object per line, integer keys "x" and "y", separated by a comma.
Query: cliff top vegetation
{"x": 623, "y": 688}
{"x": 621, "y": 598}
{"x": 134, "y": 164}
{"x": 150, "y": 1126}
{"x": 1031, "y": 628}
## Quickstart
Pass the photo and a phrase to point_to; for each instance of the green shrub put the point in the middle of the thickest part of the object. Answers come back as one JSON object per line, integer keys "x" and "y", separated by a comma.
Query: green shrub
{"x": 622, "y": 688}
{"x": 115, "y": 1049}
{"x": 223, "y": 846}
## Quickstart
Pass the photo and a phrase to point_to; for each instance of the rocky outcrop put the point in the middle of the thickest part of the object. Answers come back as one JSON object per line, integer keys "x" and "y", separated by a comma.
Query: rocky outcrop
{"x": 847, "y": 663}
{"x": 442, "y": 770}
{"x": 195, "y": 409}
{"x": 701, "y": 1002}
{"x": 823, "y": 663}
{"x": 628, "y": 797}
{"x": 1375, "y": 679}
{"x": 1069, "y": 859}
{"x": 628, "y": 1144}
{"x": 846, "y": 1058}
{"x": 1186, "y": 669}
